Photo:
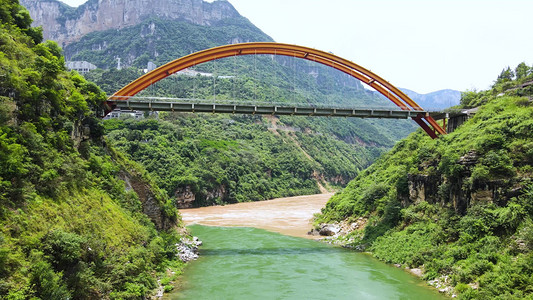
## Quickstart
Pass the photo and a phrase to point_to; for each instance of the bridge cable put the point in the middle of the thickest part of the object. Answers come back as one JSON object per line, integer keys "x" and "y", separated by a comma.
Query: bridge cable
{"x": 194, "y": 82}
{"x": 316, "y": 72}
{"x": 272, "y": 96}
{"x": 294, "y": 77}
{"x": 255, "y": 76}
{"x": 214, "y": 79}
{"x": 234, "y": 76}
{"x": 175, "y": 86}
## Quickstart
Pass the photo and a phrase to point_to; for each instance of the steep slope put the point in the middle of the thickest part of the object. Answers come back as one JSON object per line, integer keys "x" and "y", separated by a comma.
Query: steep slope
{"x": 159, "y": 40}
{"x": 214, "y": 160}
{"x": 461, "y": 207}
{"x": 198, "y": 154}
{"x": 70, "y": 226}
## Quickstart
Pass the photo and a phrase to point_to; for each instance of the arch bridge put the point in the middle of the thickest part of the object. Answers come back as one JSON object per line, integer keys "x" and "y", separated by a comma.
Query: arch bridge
{"x": 407, "y": 107}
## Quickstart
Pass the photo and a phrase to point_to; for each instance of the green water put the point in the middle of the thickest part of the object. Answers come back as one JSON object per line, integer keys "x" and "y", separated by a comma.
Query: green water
{"x": 249, "y": 263}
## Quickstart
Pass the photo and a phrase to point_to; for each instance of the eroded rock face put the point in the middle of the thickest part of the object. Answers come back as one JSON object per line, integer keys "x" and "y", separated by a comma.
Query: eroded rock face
{"x": 150, "y": 205}
{"x": 469, "y": 159}
{"x": 462, "y": 191}
{"x": 423, "y": 188}
{"x": 65, "y": 24}
{"x": 184, "y": 197}
{"x": 219, "y": 192}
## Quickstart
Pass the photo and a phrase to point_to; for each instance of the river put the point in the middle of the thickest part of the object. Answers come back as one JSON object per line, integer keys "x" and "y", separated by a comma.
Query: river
{"x": 289, "y": 216}
{"x": 273, "y": 261}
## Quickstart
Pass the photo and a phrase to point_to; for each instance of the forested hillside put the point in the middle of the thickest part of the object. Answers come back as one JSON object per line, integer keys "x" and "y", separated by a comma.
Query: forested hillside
{"x": 317, "y": 152}
{"x": 276, "y": 157}
{"x": 460, "y": 208}
{"x": 70, "y": 227}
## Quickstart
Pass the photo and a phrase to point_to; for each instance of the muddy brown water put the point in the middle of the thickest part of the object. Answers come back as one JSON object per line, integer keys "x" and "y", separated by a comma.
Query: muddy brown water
{"x": 289, "y": 216}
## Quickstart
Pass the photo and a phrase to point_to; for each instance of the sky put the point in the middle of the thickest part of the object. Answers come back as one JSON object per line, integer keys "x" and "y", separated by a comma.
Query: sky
{"x": 422, "y": 45}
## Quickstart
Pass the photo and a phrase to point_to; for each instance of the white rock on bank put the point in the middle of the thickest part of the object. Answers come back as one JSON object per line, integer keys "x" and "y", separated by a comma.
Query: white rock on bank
{"x": 188, "y": 249}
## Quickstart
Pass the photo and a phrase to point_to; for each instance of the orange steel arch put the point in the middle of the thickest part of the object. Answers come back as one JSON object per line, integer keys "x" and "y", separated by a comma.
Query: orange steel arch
{"x": 366, "y": 76}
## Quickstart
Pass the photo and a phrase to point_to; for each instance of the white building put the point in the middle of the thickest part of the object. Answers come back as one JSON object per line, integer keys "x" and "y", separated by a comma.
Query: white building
{"x": 119, "y": 113}
{"x": 81, "y": 67}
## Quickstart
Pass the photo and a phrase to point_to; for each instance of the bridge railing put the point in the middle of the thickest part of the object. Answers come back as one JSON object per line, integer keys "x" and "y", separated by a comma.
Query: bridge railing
{"x": 243, "y": 107}
{"x": 256, "y": 103}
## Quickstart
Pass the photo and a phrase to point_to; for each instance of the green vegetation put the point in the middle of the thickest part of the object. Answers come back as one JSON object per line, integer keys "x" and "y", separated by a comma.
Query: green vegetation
{"x": 226, "y": 159}
{"x": 223, "y": 159}
{"x": 238, "y": 156}
{"x": 461, "y": 206}
{"x": 68, "y": 226}
{"x": 253, "y": 78}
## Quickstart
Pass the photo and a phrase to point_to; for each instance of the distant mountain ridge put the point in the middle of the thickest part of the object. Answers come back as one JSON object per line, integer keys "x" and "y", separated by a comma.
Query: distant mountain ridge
{"x": 435, "y": 100}
{"x": 65, "y": 24}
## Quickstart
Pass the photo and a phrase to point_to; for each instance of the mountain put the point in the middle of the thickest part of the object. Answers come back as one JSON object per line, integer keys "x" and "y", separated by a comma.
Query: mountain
{"x": 65, "y": 24}
{"x": 458, "y": 209}
{"x": 140, "y": 31}
{"x": 435, "y": 100}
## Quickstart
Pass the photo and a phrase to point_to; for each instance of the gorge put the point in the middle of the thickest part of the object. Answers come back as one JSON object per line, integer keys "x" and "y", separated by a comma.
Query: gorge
{"x": 89, "y": 207}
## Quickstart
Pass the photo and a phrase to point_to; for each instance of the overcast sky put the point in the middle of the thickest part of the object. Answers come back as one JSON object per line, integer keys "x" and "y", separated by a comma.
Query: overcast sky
{"x": 422, "y": 45}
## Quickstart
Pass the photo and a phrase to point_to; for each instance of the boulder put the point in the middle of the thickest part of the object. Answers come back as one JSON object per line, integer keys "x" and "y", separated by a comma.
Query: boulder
{"x": 329, "y": 230}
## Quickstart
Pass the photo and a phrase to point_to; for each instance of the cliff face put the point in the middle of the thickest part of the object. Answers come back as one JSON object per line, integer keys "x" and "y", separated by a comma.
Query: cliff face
{"x": 65, "y": 24}
{"x": 151, "y": 206}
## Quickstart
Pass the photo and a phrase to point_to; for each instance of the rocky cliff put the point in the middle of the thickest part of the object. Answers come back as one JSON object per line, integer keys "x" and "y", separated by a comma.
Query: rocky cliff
{"x": 65, "y": 24}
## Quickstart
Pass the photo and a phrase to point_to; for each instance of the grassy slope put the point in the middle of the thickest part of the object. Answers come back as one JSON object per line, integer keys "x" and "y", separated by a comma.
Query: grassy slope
{"x": 69, "y": 228}
{"x": 475, "y": 225}
{"x": 338, "y": 148}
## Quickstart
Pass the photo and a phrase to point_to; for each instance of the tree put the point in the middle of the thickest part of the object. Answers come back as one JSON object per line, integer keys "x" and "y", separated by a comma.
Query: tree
{"x": 522, "y": 71}
{"x": 506, "y": 75}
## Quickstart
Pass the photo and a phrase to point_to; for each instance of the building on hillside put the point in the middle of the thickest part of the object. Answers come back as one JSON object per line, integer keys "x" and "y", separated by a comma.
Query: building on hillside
{"x": 458, "y": 119}
{"x": 119, "y": 113}
{"x": 150, "y": 67}
{"x": 191, "y": 72}
{"x": 81, "y": 67}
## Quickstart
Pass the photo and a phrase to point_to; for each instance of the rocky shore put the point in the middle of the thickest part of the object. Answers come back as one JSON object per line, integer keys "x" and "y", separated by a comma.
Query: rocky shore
{"x": 188, "y": 249}
{"x": 344, "y": 234}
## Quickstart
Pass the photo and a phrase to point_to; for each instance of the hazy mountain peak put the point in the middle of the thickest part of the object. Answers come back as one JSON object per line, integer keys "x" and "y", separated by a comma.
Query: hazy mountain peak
{"x": 435, "y": 100}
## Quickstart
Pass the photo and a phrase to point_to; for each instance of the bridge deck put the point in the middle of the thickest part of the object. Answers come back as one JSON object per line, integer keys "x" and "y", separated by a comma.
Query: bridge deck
{"x": 263, "y": 109}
